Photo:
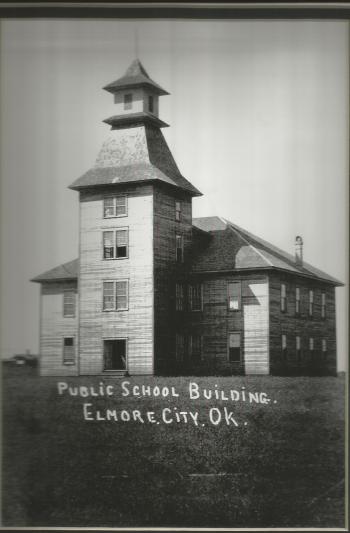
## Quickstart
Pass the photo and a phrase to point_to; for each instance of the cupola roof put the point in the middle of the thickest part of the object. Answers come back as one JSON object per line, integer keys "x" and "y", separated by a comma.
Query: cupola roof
{"x": 135, "y": 76}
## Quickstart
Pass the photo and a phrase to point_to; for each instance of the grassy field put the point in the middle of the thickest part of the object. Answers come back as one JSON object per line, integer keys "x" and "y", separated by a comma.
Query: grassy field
{"x": 281, "y": 466}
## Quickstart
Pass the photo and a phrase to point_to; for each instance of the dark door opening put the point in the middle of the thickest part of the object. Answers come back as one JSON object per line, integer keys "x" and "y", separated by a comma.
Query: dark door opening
{"x": 114, "y": 354}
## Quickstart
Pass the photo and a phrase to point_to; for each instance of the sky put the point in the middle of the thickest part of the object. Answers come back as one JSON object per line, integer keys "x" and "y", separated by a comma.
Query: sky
{"x": 258, "y": 116}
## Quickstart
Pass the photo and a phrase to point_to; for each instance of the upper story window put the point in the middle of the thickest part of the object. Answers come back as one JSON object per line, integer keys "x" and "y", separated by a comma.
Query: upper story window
{"x": 195, "y": 296}
{"x": 115, "y": 295}
{"x": 323, "y": 305}
{"x": 297, "y": 301}
{"x": 150, "y": 104}
{"x": 115, "y": 244}
{"x": 234, "y": 296}
{"x": 234, "y": 347}
{"x": 283, "y": 297}
{"x": 284, "y": 345}
{"x": 69, "y": 304}
{"x": 115, "y": 206}
{"x": 68, "y": 351}
{"x": 177, "y": 210}
{"x": 195, "y": 347}
{"x": 128, "y": 101}
{"x": 311, "y": 302}
{"x": 179, "y": 248}
{"x": 324, "y": 348}
{"x": 179, "y": 301}
{"x": 311, "y": 344}
{"x": 298, "y": 347}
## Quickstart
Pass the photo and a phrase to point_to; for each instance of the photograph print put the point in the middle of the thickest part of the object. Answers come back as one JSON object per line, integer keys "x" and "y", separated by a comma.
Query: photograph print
{"x": 174, "y": 273}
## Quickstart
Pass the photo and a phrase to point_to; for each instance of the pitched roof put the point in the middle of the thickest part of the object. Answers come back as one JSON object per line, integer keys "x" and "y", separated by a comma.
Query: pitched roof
{"x": 65, "y": 272}
{"x": 135, "y": 76}
{"x": 133, "y": 119}
{"x": 230, "y": 247}
{"x": 135, "y": 155}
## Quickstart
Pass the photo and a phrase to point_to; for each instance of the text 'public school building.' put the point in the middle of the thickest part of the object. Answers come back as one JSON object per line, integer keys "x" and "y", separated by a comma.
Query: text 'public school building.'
{"x": 155, "y": 291}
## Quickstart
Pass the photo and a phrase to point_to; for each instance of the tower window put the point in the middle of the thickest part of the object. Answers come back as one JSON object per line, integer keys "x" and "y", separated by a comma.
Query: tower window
{"x": 69, "y": 304}
{"x": 195, "y": 294}
{"x": 177, "y": 211}
{"x": 115, "y": 244}
{"x": 284, "y": 346}
{"x": 311, "y": 303}
{"x": 179, "y": 302}
{"x": 128, "y": 101}
{"x": 234, "y": 347}
{"x": 234, "y": 296}
{"x": 114, "y": 206}
{"x": 179, "y": 248}
{"x": 68, "y": 351}
{"x": 195, "y": 346}
{"x": 323, "y": 305}
{"x": 150, "y": 104}
{"x": 283, "y": 298}
{"x": 297, "y": 301}
{"x": 115, "y": 295}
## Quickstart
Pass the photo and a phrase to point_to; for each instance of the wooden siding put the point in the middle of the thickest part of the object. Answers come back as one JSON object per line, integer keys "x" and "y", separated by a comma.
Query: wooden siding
{"x": 54, "y": 327}
{"x": 289, "y": 324}
{"x": 136, "y": 324}
{"x": 166, "y": 270}
{"x": 216, "y": 321}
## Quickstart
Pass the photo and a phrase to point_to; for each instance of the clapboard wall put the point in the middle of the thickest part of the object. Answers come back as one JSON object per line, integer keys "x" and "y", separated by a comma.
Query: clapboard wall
{"x": 54, "y": 327}
{"x": 136, "y": 324}
{"x": 290, "y": 324}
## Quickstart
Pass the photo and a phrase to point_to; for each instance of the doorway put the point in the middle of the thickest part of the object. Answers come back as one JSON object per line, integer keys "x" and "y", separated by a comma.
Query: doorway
{"x": 114, "y": 354}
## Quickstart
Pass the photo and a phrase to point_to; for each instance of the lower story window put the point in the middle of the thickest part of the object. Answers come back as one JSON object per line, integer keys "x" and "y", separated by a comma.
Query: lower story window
{"x": 284, "y": 346}
{"x": 324, "y": 348}
{"x": 298, "y": 348}
{"x": 195, "y": 346}
{"x": 68, "y": 351}
{"x": 179, "y": 346}
{"x": 114, "y": 354}
{"x": 234, "y": 347}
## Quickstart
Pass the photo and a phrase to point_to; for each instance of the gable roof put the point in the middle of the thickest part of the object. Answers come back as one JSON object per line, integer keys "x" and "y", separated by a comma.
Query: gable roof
{"x": 135, "y": 155}
{"x": 67, "y": 271}
{"x": 230, "y": 247}
{"x": 135, "y": 76}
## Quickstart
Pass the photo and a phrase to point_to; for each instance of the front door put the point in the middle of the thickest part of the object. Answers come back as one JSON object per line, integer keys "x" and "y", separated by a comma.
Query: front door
{"x": 115, "y": 354}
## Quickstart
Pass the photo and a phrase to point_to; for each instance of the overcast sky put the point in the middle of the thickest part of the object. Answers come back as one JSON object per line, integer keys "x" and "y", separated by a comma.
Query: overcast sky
{"x": 259, "y": 123}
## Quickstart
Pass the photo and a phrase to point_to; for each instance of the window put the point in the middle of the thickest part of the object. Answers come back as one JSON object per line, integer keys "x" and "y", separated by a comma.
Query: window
{"x": 195, "y": 296}
{"x": 298, "y": 347}
{"x": 283, "y": 298}
{"x": 114, "y": 354}
{"x": 297, "y": 301}
{"x": 115, "y": 295}
{"x": 179, "y": 346}
{"x": 324, "y": 348}
{"x": 234, "y": 347}
{"x": 69, "y": 304}
{"x": 195, "y": 346}
{"x": 115, "y": 244}
{"x": 114, "y": 206}
{"x": 234, "y": 296}
{"x": 323, "y": 305}
{"x": 127, "y": 101}
{"x": 179, "y": 301}
{"x": 150, "y": 104}
{"x": 177, "y": 211}
{"x": 68, "y": 351}
{"x": 284, "y": 346}
{"x": 179, "y": 248}
{"x": 311, "y": 347}
{"x": 311, "y": 302}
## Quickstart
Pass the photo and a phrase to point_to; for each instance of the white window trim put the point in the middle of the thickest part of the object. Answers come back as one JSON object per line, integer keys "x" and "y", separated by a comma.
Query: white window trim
{"x": 65, "y": 291}
{"x": 114, "y": 197}
{"x": 71, "y": 363}
{"x": 114, "y": 230}
{"x": 115, "y": 310}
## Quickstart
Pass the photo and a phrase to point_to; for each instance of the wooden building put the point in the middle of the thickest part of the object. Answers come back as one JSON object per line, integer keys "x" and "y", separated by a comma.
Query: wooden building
{"x": 155, "y": 291}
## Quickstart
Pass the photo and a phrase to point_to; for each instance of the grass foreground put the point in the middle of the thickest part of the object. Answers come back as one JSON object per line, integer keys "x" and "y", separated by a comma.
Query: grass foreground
{"x": 272, "y": 458}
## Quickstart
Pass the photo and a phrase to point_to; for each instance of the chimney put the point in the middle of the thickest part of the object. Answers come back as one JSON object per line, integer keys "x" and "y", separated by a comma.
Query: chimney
{"x": 299, "y": 250}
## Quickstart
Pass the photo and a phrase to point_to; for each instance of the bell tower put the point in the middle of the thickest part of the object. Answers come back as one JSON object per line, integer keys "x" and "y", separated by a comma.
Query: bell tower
{"x": 135, "y": 237}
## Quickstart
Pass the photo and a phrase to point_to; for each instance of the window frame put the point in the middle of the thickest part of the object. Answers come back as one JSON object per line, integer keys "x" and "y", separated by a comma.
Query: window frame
{"x": 179, "y": 348}
{"x": 114, "y": 198}
{"x": 179, "y": 296}
{"x": 180, "y": 235}
{"x": 73, "y": 292}
{"x": 231, "y": 309}
{"x": 178, "y": 210}
{"x": 65, "y": 362}
{"x": 190, "y": 346}
{"x": 115, "y": 282}
{"x": 284, "y": 345}
{"x": 283, "y": 296}
{"x": 115, "y": 231}
{"x": 297, "y": 300}
{"x": 298, "y": 348}
{"x": 190, "y": 297}
{"x": 151, "y": 103}
{"x": 128, "y": 101}
{"x": 239, "y": 333}
{"x": 111, "y": 370}
{"x": 311, "y": 302}
{"x": 323, "y": 304}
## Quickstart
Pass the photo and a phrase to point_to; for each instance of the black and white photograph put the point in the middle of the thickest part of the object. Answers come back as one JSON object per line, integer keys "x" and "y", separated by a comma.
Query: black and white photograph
{"x": 174, "y": 272}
